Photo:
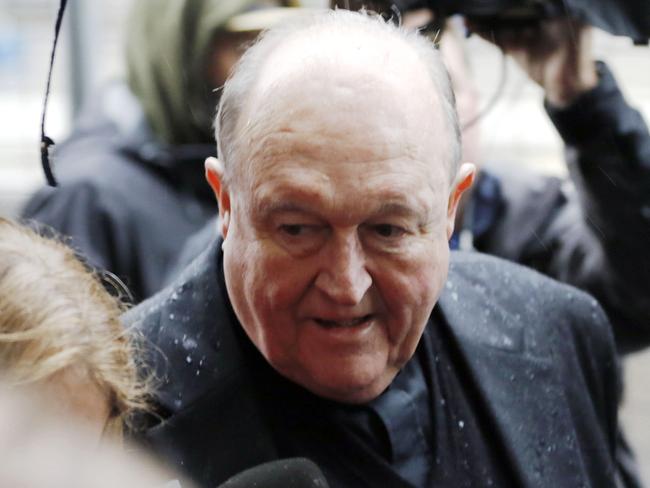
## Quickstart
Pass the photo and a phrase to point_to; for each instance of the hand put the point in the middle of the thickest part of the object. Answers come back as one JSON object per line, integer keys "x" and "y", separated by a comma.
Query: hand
{"x": 555, "y": 53}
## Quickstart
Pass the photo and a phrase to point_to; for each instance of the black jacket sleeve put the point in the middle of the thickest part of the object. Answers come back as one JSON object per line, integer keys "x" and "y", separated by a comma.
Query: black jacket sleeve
{"x": 599, "y": 240}
{"x": 74, "y": 211}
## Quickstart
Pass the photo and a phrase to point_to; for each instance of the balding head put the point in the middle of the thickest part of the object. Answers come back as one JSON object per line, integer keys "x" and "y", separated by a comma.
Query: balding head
{"x": 336, "y": 49}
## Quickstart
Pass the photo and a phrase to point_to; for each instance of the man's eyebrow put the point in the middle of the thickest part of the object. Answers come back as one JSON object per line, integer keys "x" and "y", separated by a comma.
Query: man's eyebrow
{"x": 265, "y": 207}
{"x": 401, "y": 209}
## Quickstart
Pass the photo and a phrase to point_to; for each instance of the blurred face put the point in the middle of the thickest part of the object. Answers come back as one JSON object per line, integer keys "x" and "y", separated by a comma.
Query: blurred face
{"x": 467, "y": 98}
{"x": 336, "y": 239}
{"x": 73, "y": 395}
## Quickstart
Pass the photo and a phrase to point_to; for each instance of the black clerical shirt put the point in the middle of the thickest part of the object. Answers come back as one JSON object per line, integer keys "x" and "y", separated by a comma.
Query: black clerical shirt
{"x": 427, "y": 429}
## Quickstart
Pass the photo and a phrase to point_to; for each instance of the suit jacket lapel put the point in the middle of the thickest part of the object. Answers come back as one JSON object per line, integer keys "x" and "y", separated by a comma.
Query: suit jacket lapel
{"x": 215, "y": 428}
{"x": 218, "y": 436}
{"x": 516, "y": 385}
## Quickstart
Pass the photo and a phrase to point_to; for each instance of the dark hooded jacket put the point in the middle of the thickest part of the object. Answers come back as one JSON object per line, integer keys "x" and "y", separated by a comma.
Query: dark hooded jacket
{"x": 131, "y": 175}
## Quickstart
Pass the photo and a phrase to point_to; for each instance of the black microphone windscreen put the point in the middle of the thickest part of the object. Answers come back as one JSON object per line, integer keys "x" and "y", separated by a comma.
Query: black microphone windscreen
{"x": 283, "y": 473}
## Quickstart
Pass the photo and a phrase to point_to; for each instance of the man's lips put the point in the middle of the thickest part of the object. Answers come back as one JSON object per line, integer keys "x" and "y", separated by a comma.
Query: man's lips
{"x": 343, "y": 322}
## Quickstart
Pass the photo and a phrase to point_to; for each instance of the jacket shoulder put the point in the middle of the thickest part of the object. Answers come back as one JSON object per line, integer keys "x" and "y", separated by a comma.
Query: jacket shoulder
{"x": 542, "y": 345}
{"x": 188, "y": 343}
{"x": 508, "y": 305}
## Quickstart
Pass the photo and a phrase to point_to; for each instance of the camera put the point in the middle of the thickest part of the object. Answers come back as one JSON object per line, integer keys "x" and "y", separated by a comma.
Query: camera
{"x": 629, "y": 18}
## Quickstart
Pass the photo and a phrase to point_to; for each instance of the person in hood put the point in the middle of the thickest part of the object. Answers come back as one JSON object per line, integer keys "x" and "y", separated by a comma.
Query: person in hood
{"x": 131, "y": 174}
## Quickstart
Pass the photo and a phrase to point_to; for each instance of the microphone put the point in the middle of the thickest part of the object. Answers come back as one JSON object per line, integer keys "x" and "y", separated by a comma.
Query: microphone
{"x": 283, "y": 473}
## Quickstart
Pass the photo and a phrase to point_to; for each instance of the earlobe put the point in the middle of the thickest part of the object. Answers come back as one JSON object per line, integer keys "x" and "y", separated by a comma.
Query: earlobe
{"x": 463, "y": 181}
{"x": 214, "y": 172}
{"x": 224, "y": 218}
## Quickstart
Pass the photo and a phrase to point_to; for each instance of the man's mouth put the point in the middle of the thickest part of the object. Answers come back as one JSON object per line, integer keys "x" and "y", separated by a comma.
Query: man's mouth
{"x": 330, "y": 324}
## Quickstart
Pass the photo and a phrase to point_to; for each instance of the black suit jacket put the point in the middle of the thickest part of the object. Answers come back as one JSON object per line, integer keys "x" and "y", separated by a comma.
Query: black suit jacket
{"x": 540, "y": 358}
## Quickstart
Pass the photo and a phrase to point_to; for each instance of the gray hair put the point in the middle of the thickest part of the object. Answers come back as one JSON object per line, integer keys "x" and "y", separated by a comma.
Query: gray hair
{"x": 238, "y": 88}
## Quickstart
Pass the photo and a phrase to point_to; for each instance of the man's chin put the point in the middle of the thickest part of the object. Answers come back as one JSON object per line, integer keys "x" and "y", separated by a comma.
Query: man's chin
{"x": 351, "y": 389}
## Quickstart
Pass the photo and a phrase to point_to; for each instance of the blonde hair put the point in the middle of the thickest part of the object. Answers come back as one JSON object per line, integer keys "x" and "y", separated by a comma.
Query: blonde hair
{"x": 55, "y": 314}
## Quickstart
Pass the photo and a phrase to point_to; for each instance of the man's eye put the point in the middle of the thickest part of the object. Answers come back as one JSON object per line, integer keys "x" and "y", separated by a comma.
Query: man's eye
{"x": 294, "y": 230}
{"x": 388, "y": 230}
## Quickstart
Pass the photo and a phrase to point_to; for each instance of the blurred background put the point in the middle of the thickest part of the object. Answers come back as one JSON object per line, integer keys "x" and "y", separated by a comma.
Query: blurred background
{"x": 515, "y": 131}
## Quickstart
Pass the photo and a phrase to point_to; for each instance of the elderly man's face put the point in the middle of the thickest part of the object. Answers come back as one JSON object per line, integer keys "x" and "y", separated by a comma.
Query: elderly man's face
{"x": 336, "y": 240}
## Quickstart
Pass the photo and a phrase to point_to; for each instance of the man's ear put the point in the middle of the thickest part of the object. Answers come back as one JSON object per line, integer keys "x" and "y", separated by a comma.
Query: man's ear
{"x": 462, "y": 182}
{"x": 214, "y": 173}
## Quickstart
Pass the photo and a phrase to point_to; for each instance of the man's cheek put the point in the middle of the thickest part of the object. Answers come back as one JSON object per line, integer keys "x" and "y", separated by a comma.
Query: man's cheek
{"x": 424, "y": 267}
{"x": 281, "y": 280}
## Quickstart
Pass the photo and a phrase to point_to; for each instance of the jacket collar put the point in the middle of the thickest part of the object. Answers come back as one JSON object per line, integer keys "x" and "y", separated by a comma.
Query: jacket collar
{"x": 512, "y": 371}
{"x": 204, "y": 377}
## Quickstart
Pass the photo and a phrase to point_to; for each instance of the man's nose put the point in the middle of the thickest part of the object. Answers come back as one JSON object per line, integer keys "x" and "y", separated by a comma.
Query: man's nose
{"x": 344, "y": 277}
